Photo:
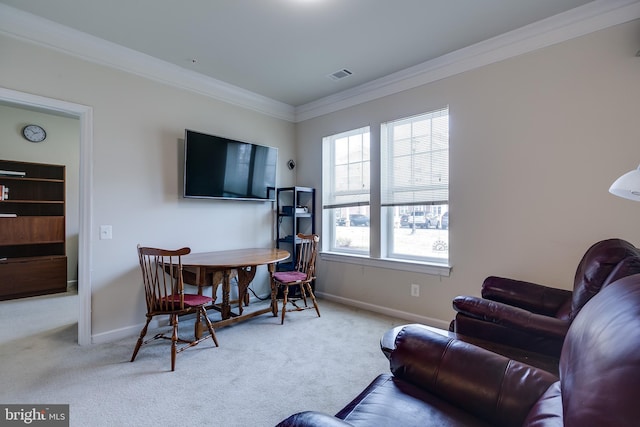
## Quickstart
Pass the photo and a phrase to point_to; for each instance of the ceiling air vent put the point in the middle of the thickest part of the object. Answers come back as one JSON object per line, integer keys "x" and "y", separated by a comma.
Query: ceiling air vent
{"x": 340, "y": 74}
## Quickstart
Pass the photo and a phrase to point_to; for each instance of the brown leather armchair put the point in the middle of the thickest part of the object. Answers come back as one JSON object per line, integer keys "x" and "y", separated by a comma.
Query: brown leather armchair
{"x": 440, "y": 381}
{"x": 534, "y": 317}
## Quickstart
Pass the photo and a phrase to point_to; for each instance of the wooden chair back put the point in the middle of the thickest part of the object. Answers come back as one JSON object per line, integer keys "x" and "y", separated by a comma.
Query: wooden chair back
{"x": 162, "y": 278}
{"x": 307, "y": 253}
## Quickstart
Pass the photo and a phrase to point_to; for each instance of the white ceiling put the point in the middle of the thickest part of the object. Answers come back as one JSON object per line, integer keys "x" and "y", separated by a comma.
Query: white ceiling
{"x": 284, "y": 50}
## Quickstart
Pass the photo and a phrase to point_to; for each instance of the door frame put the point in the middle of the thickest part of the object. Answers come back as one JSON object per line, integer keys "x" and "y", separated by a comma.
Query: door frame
{"x": 85, "y": 114}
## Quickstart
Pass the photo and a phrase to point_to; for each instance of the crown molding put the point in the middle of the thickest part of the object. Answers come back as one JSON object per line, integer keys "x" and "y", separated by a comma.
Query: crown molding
{"x": 591, "y": 17}
{"x": 583, "y": 20}
{"x": 34, "y": 29}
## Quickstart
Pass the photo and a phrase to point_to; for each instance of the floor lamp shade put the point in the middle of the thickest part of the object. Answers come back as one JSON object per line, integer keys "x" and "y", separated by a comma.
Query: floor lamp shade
{"x": 627, "y": 186}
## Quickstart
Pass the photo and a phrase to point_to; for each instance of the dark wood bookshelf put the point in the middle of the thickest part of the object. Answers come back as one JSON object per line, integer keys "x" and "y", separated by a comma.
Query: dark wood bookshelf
{"x": 32, "y": 230}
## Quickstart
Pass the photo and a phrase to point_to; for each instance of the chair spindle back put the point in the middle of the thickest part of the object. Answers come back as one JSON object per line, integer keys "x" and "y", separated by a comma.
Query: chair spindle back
{"x": 307, "y": 254}
{"x": 162, "y": 278}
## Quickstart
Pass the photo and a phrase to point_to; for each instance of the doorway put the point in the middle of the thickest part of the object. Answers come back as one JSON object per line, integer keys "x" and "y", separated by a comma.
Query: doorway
{"x": 85, "y": 115}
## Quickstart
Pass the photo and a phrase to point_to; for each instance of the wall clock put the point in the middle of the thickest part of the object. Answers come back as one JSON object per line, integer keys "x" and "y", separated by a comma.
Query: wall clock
{"x": 34, "y": 133}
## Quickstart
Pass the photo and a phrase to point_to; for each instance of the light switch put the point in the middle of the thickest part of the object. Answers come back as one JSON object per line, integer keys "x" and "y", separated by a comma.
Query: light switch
{"x": 105, "y": 232}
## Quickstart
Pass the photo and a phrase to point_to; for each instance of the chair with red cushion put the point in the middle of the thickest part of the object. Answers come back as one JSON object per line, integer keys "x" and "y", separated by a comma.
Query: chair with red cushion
{"x": 301, "y": 277}
{"x": 164, "y": 294}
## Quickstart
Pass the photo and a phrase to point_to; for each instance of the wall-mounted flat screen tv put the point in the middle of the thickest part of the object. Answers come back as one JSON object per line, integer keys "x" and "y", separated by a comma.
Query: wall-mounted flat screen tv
{"x": 223, "y": 168}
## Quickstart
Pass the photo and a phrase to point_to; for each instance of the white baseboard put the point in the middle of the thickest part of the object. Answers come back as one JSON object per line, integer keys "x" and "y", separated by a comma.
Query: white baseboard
{"x": 429, "y": 321}
{"x": 129, "y": 332}
{"x": 132, "y": 332}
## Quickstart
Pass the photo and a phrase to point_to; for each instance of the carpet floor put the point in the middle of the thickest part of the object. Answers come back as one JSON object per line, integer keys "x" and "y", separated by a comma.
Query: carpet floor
{"x": 261, "y": 373}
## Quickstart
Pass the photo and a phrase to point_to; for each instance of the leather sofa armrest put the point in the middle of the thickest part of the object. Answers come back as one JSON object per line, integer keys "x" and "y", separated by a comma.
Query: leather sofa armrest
{"x": 388, "y": 341}
{"x": 490, "y": 386}
{"x": 312, "y": 419}
{"x": 529, "y": 296}
{"x": 512, "y": 317}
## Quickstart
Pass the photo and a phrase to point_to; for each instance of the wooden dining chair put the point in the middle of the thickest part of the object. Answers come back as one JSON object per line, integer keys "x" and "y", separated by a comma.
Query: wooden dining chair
{"x": 301, "y": 277}
{"x": 164, "y": 295}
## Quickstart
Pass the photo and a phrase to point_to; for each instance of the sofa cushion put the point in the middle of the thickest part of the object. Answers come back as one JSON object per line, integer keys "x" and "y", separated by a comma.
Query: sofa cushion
{"x": 547, "y": 412}
{"x": 391, "y": 402}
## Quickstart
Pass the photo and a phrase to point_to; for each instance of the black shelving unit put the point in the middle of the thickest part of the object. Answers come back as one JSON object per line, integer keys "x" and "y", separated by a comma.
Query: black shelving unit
{"x": 296, "y": 214}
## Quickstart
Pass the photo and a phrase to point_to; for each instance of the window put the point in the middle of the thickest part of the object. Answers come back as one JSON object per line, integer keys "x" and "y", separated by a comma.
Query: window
{"x": 410, "y": 221}
{"x": 415, "y": 186}
{"x": 346, "y": 188}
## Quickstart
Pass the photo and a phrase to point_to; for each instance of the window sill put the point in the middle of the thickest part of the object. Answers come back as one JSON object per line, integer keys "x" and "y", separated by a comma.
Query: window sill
{"x": 393, "y": 264}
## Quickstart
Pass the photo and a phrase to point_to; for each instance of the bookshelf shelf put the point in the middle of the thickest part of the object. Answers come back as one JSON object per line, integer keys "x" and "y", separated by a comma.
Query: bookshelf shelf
{"x": 296, "y": 212}
{"x": 32, "y": 229}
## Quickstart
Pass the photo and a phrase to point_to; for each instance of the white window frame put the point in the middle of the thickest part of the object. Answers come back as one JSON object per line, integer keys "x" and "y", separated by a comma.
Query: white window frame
{"x": 414, "y": 170}
{"x": 332, "y": 198}
{"x": 381, "y": 220}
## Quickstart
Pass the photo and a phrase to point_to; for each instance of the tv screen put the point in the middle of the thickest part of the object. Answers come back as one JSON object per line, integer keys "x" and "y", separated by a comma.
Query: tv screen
{"x": 222, "y": 168}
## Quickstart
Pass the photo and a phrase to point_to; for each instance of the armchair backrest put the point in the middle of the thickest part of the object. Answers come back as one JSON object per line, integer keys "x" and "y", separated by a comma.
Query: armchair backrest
{"x": 600, "y": 361}
{"x": 596, "y": 266}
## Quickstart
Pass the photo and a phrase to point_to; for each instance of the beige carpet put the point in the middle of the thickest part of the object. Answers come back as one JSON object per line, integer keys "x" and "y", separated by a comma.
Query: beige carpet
{"x": 29, "y": 316}
{"x": 261, "y": 373}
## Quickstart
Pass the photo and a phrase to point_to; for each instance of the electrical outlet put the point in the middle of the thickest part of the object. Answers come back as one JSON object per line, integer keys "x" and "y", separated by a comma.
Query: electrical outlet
{"x": 415, "y": 290}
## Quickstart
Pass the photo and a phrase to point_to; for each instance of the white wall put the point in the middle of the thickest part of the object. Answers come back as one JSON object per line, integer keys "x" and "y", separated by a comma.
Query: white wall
{"x": 138, "y": 126}
{"x": 61, "y": 147}
{"x": 536, "y": 141}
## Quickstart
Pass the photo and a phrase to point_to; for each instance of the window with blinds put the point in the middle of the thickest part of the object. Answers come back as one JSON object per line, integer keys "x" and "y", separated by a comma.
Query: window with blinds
{"x": 411, "y": 214}
{"x": 346, "y": 188}
{"x": 414, "y": 186}
{"x": 415, "y": 160}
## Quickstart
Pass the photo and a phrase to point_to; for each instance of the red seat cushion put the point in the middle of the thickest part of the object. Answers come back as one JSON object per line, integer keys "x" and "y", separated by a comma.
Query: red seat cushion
{"x": 289, "y": 276}
{"x": 190, "y": 299}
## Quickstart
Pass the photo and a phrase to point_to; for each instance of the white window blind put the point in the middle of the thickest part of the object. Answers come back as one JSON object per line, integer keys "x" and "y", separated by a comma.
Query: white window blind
{"x": 347, "y": 156}
{"x": 415, "y": 160}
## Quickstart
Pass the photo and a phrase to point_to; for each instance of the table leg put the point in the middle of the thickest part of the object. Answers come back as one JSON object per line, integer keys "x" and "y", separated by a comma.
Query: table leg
{"x": 225, "y": 310}
{"x": 274, "y": 297}
{"x": 245, "y": 276}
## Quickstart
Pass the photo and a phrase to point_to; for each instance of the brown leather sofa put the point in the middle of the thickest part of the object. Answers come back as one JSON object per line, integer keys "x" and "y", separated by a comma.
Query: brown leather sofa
{"x": 440, "y": 381}
{"x": 535, "y": 317}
